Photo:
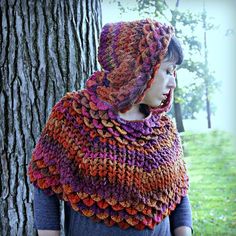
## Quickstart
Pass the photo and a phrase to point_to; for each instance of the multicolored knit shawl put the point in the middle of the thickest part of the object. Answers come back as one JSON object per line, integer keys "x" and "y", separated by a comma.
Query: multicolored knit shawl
{"x": 129, "y": 173}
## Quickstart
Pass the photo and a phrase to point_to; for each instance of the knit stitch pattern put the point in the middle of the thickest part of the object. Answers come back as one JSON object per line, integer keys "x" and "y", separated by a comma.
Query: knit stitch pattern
{"x": 128, "y": 173}
{"x": 129, "y": 54}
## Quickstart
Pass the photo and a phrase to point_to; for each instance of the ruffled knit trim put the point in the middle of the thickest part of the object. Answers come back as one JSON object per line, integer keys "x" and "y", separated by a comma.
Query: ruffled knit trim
{"x": 111, "y": 170}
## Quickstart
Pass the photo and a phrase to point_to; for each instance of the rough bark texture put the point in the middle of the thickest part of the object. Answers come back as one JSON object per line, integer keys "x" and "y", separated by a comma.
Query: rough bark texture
{"x": 46, "y": 49}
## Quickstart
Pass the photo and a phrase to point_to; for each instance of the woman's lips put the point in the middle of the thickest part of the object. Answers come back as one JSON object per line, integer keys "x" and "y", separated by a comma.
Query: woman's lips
{"x": 166, "y": 102}
{"x": 164, "y": 96}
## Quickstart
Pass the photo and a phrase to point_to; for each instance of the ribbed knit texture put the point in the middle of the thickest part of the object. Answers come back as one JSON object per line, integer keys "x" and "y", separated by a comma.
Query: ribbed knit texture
{"x": 121, "y": 172}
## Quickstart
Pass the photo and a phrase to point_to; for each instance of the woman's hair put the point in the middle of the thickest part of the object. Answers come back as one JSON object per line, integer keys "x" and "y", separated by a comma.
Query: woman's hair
{"x": 175, "y": 52}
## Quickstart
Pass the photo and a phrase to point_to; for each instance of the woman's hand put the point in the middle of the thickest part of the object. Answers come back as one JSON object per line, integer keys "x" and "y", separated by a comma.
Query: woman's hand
{"x": 183, "y": 231}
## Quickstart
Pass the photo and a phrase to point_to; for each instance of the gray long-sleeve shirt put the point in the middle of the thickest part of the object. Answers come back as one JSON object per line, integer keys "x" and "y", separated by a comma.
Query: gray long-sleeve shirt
{"x": 47, "y": 217}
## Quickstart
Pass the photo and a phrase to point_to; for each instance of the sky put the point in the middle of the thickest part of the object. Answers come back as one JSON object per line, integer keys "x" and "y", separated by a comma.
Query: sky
{"x": 222, "y": 51}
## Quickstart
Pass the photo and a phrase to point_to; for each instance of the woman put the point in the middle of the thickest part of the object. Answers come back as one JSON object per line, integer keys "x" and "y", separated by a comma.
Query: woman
{"x": 110, "y": 151}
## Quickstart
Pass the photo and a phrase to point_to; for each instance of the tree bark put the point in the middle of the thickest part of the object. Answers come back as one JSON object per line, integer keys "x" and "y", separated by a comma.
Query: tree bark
{"x": 178, "y": 113}
{"x": 178, "y": 117}
{"x": 47, "y": 49}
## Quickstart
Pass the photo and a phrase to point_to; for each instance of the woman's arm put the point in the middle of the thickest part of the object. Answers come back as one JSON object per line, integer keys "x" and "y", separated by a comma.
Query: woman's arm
{"x": 46, "y": 214}
{"x": 183, "y": 231}
{"x": 48, "y": 233}
{"x": 181, "y": 219}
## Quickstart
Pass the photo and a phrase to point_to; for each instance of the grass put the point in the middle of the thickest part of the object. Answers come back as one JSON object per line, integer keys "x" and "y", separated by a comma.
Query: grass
{"x": 211, "y": 163}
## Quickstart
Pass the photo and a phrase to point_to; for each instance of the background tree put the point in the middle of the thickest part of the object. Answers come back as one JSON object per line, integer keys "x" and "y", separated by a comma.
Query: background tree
{"x": 46, "y": 49}
{"x": 207, "y": 76}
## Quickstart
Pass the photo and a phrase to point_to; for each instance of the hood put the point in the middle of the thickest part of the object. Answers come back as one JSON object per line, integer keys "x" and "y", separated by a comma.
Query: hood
{"x": 129, "y": 53}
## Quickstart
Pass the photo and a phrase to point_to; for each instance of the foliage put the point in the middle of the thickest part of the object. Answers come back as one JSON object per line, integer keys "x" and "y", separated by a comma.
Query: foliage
{"x": 144, "y": 7}
{"x": 193, "y": 97}
{"x": 211, "y": 161}
{"x": 191, "y": 102}
{"x": 157, "y": 7}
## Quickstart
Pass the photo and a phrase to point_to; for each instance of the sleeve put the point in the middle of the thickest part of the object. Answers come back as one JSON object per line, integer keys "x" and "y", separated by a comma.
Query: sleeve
{"x": 182, "y": 215}
{"x": 46, "y": 211}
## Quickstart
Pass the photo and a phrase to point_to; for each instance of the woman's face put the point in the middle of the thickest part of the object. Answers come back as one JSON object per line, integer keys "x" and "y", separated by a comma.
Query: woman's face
{"x": 164, "y": 83}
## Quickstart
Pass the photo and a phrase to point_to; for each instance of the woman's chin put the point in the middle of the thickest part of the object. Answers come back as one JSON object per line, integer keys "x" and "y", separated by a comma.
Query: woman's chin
{"x": 162, "y": 106}
{"x": 155, "y": 105}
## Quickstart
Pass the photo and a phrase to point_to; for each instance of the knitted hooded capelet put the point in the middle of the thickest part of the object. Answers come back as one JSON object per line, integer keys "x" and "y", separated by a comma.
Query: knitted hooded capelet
{"x": 112, "y": 170}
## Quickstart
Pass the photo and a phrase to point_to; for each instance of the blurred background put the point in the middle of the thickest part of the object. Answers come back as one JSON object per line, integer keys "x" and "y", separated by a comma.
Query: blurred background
{"x": 204, "y": 101}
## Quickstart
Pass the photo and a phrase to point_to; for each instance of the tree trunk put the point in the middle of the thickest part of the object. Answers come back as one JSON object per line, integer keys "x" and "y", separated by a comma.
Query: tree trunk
{"x": 47, "y": 49}
{"x": 208, "y": 110}
{"x": 178, "y": 117}
{"x": 178, "y": 112}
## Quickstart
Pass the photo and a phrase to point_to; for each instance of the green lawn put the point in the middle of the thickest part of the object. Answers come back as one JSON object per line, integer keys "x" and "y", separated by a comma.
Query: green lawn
{"x": 211, "y": 162}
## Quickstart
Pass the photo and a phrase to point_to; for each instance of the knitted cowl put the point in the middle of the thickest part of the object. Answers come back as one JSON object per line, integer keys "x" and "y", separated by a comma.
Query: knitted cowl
{"x": 115, "y": 171}
{"x": 129, "y": 54}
